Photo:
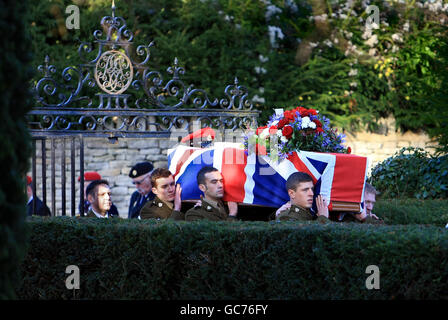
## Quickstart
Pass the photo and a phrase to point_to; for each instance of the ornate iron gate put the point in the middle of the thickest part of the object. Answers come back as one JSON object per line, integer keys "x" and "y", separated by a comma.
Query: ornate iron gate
{"x": 132, "y": 101}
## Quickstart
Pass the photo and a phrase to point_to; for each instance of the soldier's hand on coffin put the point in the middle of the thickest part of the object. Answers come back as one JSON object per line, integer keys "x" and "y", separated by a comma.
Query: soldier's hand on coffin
{"x": 284, "y": 207}
{"x": 233, "y": 208}
{"x": 177, "y": 198}
{"x": 198, "y": 203}
{"x": 322, "y": 206}
{"x": 361, "y": 216}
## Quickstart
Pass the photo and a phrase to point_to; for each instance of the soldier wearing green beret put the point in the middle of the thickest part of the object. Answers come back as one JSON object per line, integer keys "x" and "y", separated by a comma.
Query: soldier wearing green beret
{"x": 300, "y": 189}
{"x": 167, "y": 203}
{"x": 211, "y": 183}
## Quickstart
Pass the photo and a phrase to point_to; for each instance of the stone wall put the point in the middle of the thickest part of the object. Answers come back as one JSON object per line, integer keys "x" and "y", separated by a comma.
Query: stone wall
{"x": 114, "y": 161}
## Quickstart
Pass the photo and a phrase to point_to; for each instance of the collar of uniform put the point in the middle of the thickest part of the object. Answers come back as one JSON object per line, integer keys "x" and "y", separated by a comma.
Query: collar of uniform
{"x": 215, "y": 204}
{"x": 157, "y": 200}
{"x": 295, "y": 208}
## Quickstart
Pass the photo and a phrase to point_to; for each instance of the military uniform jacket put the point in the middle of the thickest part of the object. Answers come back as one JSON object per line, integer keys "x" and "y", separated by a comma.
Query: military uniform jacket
{"x": 208, "y": 212}
{"x": 348, "y": 217}
{"x": 137, "y": 203}
{"x": 300, "y": 214}
{"x": 157, "y": 209}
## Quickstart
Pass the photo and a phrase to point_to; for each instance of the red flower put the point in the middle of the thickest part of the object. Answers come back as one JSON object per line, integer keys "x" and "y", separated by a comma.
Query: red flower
{"x": 319, "y": 130}
{"x": 349, "y": 150}
{"x": 282, "y": 123}
{"x": 312, "y": 112}
{"x": 289, "y": 115}
{"x": 287, "y": 132}
{"x": 273, "y": 130}
{"x": 260, "y": 129}
{"x": 318, "y": 123}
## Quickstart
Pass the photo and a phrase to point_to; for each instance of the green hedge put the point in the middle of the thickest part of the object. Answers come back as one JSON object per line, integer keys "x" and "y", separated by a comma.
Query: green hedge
{"x": 15, "y": 75}
{"x": 120, "y": 259}
{"x": 413, "y": 211}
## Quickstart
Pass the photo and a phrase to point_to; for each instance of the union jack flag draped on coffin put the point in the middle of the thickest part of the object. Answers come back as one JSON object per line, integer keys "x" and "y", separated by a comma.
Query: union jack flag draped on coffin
{"x": 257, "y": 180}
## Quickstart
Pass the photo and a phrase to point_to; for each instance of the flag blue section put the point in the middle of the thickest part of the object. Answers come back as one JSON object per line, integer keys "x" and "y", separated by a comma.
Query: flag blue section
{"x": 187, "y": 180}
{"x": 269, "y": 187}
{"x": 319, "y": 165}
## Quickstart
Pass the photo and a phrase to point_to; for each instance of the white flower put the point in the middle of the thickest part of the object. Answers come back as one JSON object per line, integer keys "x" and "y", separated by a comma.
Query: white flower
{"x": 406, "y": 27}
{"x": 260, "y": 70}
{"x": 261, "y": 89}
{"x": 372, "y": 41}
{"x": 313, "y": 44}
{"x": 327, "y": 42}
{"x": 263, "y": 59}
{"x": 264, "y": 134}
{"x": 353, "y": 72}
{"x": 305, "y": 122}
{"x": 367, "y": 34}
{"x": 397, "y": 37}
{"x": 283, "y": 139}
{"x": 279, "y": 133}
{"x": 312, "y": 125}
{"x": 274, "y": 123}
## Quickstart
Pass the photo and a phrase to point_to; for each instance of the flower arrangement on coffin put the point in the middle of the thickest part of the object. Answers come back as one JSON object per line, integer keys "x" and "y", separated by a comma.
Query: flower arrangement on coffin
{"x": 298, "y": 129}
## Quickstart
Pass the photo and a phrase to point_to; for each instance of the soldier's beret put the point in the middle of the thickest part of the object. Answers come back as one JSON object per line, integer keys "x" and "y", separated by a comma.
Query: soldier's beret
{"x": 140, "y": 169}
{"x": 206, "y": 133}
{"x": 29, "y": 180}
{"x": 90, "y": 176}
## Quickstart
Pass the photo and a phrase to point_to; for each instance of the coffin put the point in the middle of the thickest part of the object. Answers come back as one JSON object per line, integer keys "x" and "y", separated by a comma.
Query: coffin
{"x": 257, "y": 180}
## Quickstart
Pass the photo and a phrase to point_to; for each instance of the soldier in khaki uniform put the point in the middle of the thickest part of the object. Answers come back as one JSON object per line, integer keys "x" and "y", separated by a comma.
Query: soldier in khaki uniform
{"x": 211, "y": 183}
{"x": 300, "y": 190}
{"x": 366, "y": 216}
{"x": 99, "y": 196}
{"x": 167, "y": 203}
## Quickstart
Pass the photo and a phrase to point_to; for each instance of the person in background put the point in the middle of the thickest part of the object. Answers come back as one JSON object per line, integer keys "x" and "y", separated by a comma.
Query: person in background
{"x": 90, "y": 176}
{"x": 40, "y": 208}
{"x": 99, "y": 196}
{"x": 167, "y": 203}
{"x": 366, "y": 216}
{"x": 141, "y": 178}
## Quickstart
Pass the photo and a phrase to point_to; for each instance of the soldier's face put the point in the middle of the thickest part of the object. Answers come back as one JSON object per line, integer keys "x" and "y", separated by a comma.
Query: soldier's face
{"x": 143, "y": 184}
{"x": 103, "y": 200}
{"x": 369, "y": 201}
{"x": 303, "y": 195}
{"x": 165, "y": 188}
{"x": 214, "y": 185}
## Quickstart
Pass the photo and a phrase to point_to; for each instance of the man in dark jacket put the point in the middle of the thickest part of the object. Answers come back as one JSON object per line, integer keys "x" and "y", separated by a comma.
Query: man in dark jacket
{"x": 99, "y": 196}
{"x": 141, "y": 178}
{"x": 40, "y": 208}
{"x": 90, "y": 176}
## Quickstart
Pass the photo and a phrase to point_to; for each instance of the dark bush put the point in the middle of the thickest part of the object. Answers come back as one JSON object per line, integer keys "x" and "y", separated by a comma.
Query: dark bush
{"x": 14, "y": 140}
{"x": 413, "y": 211}
{"x": 123, "y": 259}
{"x": 413, "y": 173}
